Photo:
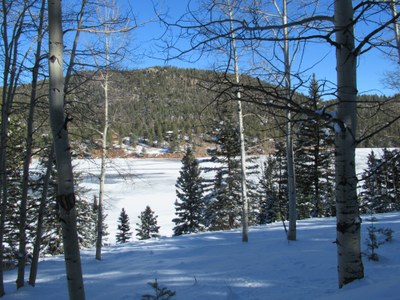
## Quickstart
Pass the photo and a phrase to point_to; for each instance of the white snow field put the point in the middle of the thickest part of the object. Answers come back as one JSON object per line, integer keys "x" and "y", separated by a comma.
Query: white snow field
{"x": 215, "y": 265}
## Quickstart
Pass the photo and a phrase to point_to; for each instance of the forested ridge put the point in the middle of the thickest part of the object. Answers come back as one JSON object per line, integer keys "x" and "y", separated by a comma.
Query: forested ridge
{"x": 167, "y": 106}
{"x": 160, "y": 106}
{"x": 164, "y": 105}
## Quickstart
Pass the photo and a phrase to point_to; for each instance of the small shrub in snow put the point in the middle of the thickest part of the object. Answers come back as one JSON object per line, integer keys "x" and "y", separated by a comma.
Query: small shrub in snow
{"x": 377, "y": 237}
{"x": 160, "y": 293}
{"x": 387, "y": 234}
{"x": 372, "y": 243}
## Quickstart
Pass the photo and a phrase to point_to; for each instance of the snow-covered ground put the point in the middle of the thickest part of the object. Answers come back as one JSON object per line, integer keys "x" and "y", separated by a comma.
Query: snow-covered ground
{"x": 213, "y": 265}
{"x": 219, "y": 266}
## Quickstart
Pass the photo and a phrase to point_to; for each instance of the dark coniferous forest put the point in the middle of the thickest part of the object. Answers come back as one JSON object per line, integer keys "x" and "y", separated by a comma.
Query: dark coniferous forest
{"x": 168, "y": 106}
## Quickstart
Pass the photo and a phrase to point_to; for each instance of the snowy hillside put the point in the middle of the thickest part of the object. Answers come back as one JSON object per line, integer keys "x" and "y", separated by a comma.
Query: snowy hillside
{"x": 219, "y": 266}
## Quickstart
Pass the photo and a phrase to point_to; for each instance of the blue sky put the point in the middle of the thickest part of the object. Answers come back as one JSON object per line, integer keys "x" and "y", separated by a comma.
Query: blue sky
{"x": 371, "y": 66}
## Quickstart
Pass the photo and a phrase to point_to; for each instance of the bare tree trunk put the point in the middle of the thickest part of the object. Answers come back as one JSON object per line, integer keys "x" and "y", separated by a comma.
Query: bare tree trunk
{"x": 291, "y": 181}
{"x": 39, "y": 228}
{"x": 99, "y": 240}
{"x": 12, "y": 66}
{"x": 289, "y": 137}
{"x": 28, "y": 152}
{"x": 72, "y": 57}
{"x": 65, "y": 180}
{"x": 396, "y": 29}
{"x": 112, "y": 24}
{"x": 245, "y": 202}
{"x": 350, "y": 266}
{"x": 103, "y": 170}
{"x": 3, "y": 183}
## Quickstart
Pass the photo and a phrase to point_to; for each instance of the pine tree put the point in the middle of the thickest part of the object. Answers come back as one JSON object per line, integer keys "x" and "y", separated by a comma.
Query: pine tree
{"x": 86, "y": 222}
{"x": 223, "y": 210}
{"x": 391, "y": 168}
{"x": 147, "y": 228}
{"x": 123, "y": 234}
{"x": 280, "y": 178}
{"x": 373, "y": 185}
{"x": 223, "y": 201}
{"x": 189, "y": 207}
{"x": 381, "y": 183}
{"x": 86, "y": 217}
{"x": 269, "y": 206}
{"x": 104, "y": 226}
{"x": 314, "y": 162}
{"x": 14, "y": 172}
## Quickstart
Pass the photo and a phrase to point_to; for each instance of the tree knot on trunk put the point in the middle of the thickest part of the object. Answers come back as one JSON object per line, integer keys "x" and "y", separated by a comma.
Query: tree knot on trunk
{"x": 67, "y": 202}
{"x": 344, "y": 227}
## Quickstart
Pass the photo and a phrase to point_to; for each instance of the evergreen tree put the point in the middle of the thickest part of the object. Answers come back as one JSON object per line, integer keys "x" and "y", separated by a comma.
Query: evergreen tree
{"x": 14, "y": 176}
{"x": 269, "y": 206}
{"x": 104, "y": 226}
{"x": 52, "y": 234}
{"x": 86, "y": 217}
{"x": 391, "y": 169}
{"x": 124, "y": 234}
{"x": 373, "y": 192}
{"x": 381, "y": 183}
{"x": 272, "y": 196}
{"x": 223, "y": 200}
{"x": 189, "y": 206}
{"x": 224, "y": 192}
{"x": 86, "y": 222}
{"x": 147, "y": 228}
{"x": 223, "y": 210}
{"x": 280, "y": 178}
{"x": 314, "y": 162}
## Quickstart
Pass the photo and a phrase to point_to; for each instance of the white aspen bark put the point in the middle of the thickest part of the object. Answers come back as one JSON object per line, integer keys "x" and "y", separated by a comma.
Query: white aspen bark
{"x": 289, "y": 138}
{"x": 396, "y": 29}
{"x": 65, "y": 180}
{"x": 110, "y": 18}
{"x": 99, "y": 240}
{"x": 245, "y": 202}
{"x": 107, "y": 32}
{"x": 350, "y": 265}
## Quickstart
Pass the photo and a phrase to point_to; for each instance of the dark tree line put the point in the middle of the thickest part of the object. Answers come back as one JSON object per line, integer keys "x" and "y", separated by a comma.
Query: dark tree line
{"x": 163, "y": 105}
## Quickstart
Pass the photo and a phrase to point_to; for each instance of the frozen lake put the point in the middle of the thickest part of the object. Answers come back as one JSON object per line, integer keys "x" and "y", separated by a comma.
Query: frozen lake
{"x": 134, "y": 183}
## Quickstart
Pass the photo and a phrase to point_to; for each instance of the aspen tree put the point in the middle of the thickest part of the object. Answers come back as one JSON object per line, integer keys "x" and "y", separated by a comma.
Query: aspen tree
{"x": 59, "y": 123}
{"x": 348, "y": 228}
